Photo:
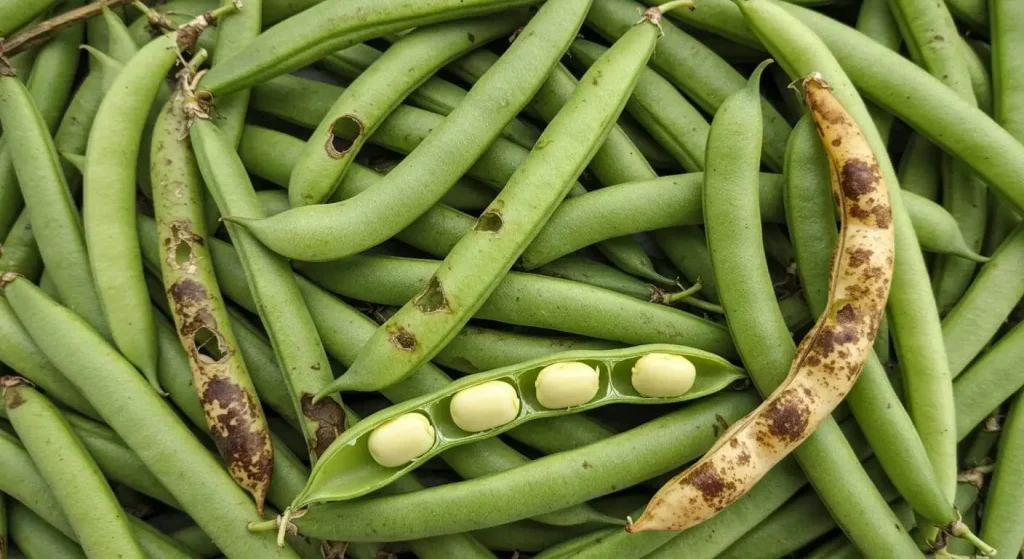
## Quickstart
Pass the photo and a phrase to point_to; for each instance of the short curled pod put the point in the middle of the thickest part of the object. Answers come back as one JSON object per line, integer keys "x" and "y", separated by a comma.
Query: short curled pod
{"x": 278, "y": 300}
{"x": 872, "y": 400}
{"x": 108, "y": 204}
{"x": 435, "y": 94}
{"x": 819, "y": 377}
{"x": 692, "y": 67}
{"x": 475, "y": 266}
{"x": 368, "y": 100}
{"x": 326, "y": 232}
{"x": 221, "y": 379}
{"x": 581, "y": 309}
{"x": 332, "y": 25}
{"x": 486, "y": 404}
{"x": 148, "y": 426}
{"x": 35, "y": 538}
{"x": 25, "y": 484}
{"x": 622, "y": 460}
{"x": 98, "y": 520}
{"x": 344, "y": 330}
{"x": 975, "y": 320}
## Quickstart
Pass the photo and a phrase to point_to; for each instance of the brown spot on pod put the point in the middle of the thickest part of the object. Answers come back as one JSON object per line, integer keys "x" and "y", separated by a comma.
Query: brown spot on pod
{"x": 883, "y": 216}
{"x": 712, "y": 486}
{"x": 240, "y": 435}
{"x": 859, "y": 257}
{"x": 404, "y": 339}
{"x": 858, "y": 178}
{"x": 847, "y": 314}
{"x": 432, "y": 298}
{"x": 329, "y": 418}
{"x": 12, "y": 396}
{"x": 786, "y": 417}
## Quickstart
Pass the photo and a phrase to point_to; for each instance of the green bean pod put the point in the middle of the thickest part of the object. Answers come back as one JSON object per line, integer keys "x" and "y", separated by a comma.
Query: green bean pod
{"x": 76, "y": 481}
{"x": 676, "y": 124}
{"x": 16, "y": 13}
{"x": 556, "y": 481}
{"x": 358, "y": 112}
{"x": 923, "y": 102}
{"x": 333, "y": 25}
{"x": 963, "y": 194}
{"x": 143, "y": 420}
{"x": 193, "y": 539}
{"x": 327, "y": 232}
{"x": 937, "y": 230}
{"x": 1001, "y": 525}
{"x": 1007, "y": 97}
{"x": 234, "y": 35}
{"x": 18, "y": 252}
{"x": 24, "y": 483}
{"x": 984, "y": 308}
{"x": 692, "y": 67}
{"x": 529, "y": 300}
{"x": 292, "y": 333}
{"x": 975, "y": 13}
{"x": 582, "y": 269}
{"x": 37, "y": 539}
{"x": 222, "y": 382}
{"x": 989, "y": 381}
{"x": 435, "y": 94}
{"x": 108, "y": 204}
{"x": 872, "y": 400}
{"x": 348, "y": 470}
{"x": 418, "y": 331}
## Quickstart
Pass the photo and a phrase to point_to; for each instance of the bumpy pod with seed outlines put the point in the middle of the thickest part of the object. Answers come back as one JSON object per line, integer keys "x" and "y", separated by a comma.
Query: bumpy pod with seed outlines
{"x": 829, "y": 358}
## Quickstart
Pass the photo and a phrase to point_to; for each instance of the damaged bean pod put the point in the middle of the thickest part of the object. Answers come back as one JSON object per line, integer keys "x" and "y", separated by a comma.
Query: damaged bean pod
{"x": 830, "y": 357}
{"x": 389, "y": 444}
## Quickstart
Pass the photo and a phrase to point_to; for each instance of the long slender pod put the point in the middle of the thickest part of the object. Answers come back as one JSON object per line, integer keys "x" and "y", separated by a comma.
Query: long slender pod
{"x": 913, "y": 316}
{"x": 830, "y": 357}
{"x": 326, "y": 232}
{"x": 146, "y": 423}
{"x": 931, "y": 36}
{"x": 874, "y": 403}
{"x": 332, "y": 25}
{"x": 279, "y": 303}
{"x": 1001, "y": 524}
{"x": 222, "y": 382}
{"x": 37, "y": 539}
{"x": 108, "y": 204}
{"x": 376, "y": 92}
{"x": 89, "y": 503}
{"x": 480, "y": 260}
{"x": 234, "y": 35}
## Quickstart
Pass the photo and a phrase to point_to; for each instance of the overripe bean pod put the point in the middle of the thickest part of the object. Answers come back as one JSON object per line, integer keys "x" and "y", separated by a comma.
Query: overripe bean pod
{"x": 830, "y": 357}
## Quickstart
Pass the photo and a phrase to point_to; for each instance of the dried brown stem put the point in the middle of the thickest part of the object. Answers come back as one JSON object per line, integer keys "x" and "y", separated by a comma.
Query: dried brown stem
{"x": 46, "y": 29}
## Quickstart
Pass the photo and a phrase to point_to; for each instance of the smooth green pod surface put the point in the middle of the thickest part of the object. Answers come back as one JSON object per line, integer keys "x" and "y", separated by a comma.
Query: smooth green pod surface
{"x": 347, "y": 470}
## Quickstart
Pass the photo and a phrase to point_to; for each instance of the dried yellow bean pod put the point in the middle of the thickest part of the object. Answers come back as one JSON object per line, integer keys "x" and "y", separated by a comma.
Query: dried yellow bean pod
{"x": 829, "y": 358}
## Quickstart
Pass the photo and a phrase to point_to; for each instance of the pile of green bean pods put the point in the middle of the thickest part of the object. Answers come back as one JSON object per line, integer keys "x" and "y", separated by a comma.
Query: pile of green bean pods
{"x": 481, "y": 279}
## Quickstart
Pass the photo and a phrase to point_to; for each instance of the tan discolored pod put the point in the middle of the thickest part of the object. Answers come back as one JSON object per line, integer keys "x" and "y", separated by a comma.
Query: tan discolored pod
{"x": 232, "y": 408}
{"x": 829, "y": 358}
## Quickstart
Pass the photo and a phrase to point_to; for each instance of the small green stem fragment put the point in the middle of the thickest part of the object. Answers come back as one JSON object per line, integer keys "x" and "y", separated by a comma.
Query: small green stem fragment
{"x": 960, "y": 530}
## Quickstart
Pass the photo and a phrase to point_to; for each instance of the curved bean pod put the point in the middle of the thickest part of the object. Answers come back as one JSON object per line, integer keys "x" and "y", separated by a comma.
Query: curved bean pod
{"x": 358, "y": 112}
{"x": 332, "y": 25}
{"x": 477, "y": 263}
{"x": 936, "y": 228}
{"x": 108, "y": 203}
{"x": 556, "y": 481}
{"x": 16, "y": 13}
{"x": 84, "y": 496}
{"x": 332, "y": 231}
{"x": 872, "y": 399}
{"x": 740, "y": 457}
{"x": 692, "y": 67}
{"x": 913, "y": 317}
{"x": 989, "y": 381}
{"x": 148, "y": 425}
{"x": 435, "y": 94}
{"x": 348, "y": 471}
{"x": 1001, "y": 525}
{"x": 920, "y": 168}
{"x": 1007, "y": 99}
{"x": 229, "y": 400}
